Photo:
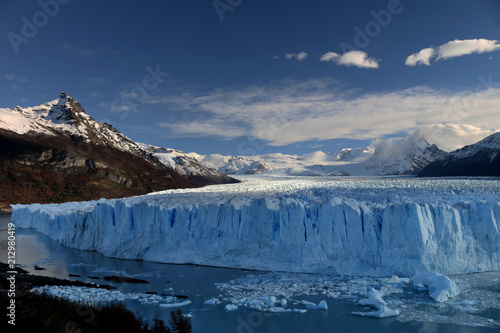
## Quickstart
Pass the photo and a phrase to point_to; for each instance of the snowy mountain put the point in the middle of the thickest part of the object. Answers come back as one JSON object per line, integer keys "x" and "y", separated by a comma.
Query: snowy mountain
{"x": 57, "y": 152}
{"x": 186, "y": 165}
{"x": 65, "y": 116}
{"x": 243, "y": 166}
{"x": 383, "y": 157}
{"x": 479, "y": 159}
{"x": 407, "y": 156}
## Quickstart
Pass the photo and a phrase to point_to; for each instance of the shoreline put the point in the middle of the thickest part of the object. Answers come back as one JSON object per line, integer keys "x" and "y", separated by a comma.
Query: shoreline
{"x": 5, "y": 211}
{"x": 26, "y": 281}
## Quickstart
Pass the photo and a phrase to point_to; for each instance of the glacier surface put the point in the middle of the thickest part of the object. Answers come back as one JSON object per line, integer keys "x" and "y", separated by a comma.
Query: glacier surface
{"x": 350, "y": 226}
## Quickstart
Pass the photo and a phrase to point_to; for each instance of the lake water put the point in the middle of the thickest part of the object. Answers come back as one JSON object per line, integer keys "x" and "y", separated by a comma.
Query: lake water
{"x": 199, "y": 284}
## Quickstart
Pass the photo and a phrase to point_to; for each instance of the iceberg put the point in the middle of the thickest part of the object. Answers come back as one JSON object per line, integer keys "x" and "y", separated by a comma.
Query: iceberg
{"x": 440, "y": 287}
{"x": 347, "y": 226}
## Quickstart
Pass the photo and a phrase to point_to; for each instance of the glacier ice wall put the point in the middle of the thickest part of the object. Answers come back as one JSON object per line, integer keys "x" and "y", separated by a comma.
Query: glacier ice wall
{"x": 362, "y": 227}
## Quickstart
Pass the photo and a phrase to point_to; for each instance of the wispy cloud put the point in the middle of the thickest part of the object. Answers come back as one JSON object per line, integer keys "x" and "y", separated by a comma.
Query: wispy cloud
{"x": 450, "y": 137}
{"x": 352, "y": 58}
{"x": 452, "y": 49}
{"x": 79, "y": 51}
{"x": 15, "y": 78}
{"x": 301, "y": 56}
{"x": 93, "y": 81}
{"x": 293, "y": 112}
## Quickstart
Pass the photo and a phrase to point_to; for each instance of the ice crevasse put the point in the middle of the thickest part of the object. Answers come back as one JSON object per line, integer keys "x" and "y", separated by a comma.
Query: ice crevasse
{"x": 369, "y": 227}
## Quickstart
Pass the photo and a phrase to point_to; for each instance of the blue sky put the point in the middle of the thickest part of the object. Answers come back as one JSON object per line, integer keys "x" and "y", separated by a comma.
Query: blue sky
{"x": 252, "y": 77}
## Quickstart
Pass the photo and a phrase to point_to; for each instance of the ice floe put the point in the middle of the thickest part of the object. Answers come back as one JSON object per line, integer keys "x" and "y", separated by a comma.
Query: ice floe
{"x": 404, "y": 298}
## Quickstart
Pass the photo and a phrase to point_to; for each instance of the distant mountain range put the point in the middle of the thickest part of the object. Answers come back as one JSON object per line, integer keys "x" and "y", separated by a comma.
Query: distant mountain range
{"x": 479, "y": 159}
{"x": 406, "y": 156}
{"x": 412, "y": 155}
{"x": 56, "y": 152}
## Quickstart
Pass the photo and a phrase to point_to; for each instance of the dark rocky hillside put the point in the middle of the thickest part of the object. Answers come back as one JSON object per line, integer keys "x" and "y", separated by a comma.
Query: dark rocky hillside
{"x": 68, "y": 156}
{"x": 480, "y": 159}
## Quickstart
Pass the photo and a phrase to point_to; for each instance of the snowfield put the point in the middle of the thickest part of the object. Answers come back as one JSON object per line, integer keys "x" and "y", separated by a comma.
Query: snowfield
{"x": 380, "y": 226}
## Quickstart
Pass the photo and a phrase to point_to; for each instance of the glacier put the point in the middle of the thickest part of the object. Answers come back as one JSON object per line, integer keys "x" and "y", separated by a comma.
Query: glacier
{"x": 372, "y": 226}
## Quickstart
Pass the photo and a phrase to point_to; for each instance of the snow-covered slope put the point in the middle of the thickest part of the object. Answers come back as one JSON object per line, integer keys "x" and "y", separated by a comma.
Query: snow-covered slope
{"x": 382, "y": 157}
{"x": 407, "y": 156}
{"x": 479, "y": 159}
{"x": 57, "y": 152}
{"x": 186, "y": 165}
{"x": 243, "y": 166}
{"x": 65, "y": 116}
{"x": 352, "y": 226}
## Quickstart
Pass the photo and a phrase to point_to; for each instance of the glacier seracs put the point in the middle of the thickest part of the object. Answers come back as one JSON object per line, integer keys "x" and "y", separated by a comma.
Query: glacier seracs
{"x": 349, "y": 226}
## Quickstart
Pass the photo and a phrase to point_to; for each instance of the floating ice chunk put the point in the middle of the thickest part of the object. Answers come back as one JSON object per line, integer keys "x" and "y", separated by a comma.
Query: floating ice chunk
{"x": 322, "y": 305}
{"x": 374, "y": 299}
{"x": 424, "y": 279}
{"x": 396, "y": 279}
{"x": 359, "y": 290}
{"x": 299, "y": 310}
{"x": 97, "y": 295}
{"x": 271, "y": 301}
{"x": 334, "y": 294}
{"x": 382, "y": 313}
{"x": 254, "y": 303}
{"x": 312, "y": 306}
{"x": 276, "y": 309}
{"x": 393, "y": 289}
{"x": 283, "y": 302}
{"x": 175, "y": 305}
{"x": 230, "y": 307}
{"x": 443, "y": 288}
{"x": 440, "y": 287}
{"x": 212, "y": 301}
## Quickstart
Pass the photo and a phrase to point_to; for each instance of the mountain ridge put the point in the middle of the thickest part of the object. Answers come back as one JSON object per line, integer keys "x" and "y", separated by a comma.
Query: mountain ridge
{"x": 479, "y": 159}
{"x": 56, "y": 152}
{"x": 406, "y": 156}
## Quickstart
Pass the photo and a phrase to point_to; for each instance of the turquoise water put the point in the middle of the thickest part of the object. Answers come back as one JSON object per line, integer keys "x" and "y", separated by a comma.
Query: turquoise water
{"x": 198, "y": 284}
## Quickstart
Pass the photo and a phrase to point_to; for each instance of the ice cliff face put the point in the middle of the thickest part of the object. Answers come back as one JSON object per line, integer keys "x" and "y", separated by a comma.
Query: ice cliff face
{"x": 353, "y": 227}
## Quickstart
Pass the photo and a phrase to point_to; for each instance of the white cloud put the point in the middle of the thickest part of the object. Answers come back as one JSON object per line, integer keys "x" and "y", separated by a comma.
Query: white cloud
{"x": 452, "y": 49}
{"x": 421, "y": 58}
{"x": 293, "y": 112}
{"x": 206, "y": 129}
{"x": 301, "y": 56}
{"x": 352, "y": 58}
{"x": 458, "y": 48}
{"x": 330, "y": 56}
{"x": 450, "y": 137}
